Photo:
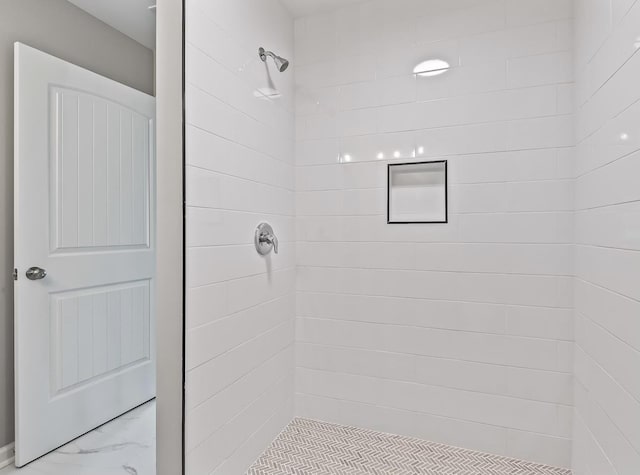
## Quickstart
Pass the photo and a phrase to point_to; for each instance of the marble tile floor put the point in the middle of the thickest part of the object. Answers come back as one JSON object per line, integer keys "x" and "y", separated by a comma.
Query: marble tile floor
{"x": 124, "y": 446}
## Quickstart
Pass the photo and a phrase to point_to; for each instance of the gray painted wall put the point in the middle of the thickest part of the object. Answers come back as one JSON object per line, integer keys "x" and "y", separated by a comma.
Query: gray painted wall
{"x": 63, "y": 30}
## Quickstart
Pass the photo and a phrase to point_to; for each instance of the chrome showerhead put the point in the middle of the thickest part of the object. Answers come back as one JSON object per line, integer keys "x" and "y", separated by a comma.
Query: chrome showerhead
{"x": 281, "y": 63}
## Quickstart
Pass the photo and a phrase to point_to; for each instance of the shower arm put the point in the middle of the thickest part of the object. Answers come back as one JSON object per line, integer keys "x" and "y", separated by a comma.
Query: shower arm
{"x": 264, "y": 53}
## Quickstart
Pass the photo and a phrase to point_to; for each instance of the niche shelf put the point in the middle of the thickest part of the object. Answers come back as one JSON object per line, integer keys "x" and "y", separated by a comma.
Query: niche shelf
{"x": 417, "y": 192}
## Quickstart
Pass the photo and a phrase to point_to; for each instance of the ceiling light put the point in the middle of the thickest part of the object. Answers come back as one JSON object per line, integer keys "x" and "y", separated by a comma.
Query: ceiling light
{"x": 380, "y": 156}
{"x": 431, "y": 67}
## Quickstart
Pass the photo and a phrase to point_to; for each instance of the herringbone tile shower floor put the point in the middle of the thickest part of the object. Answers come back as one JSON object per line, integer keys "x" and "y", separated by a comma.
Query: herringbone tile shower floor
{"x": 308, "y": 447}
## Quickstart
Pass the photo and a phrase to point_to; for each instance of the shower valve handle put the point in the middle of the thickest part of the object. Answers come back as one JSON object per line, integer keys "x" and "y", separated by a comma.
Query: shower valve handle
{"x": 270, "y": 239}
{"x": 265, "y": 239}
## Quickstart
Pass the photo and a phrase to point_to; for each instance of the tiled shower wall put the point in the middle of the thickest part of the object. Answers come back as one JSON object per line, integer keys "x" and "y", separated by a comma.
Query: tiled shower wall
{"x": 240, "y": 171}
{"x": 607, "y": 294}
{"x": 461, "y": 332}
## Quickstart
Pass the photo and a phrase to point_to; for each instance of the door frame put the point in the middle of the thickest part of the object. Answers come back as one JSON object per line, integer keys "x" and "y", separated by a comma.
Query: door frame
{"x": 170, "y": 236}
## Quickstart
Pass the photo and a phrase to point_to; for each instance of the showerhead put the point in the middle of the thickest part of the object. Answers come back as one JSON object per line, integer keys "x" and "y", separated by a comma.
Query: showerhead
{"x": 281, "y": 63}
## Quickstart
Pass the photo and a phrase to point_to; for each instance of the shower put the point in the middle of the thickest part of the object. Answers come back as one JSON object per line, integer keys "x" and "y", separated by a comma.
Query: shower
{"x": 451, "y": 246}
{"x": 281, "y": 63}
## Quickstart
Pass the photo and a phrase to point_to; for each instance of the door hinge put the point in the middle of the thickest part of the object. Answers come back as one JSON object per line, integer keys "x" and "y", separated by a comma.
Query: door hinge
{"x": 15, "y": 274}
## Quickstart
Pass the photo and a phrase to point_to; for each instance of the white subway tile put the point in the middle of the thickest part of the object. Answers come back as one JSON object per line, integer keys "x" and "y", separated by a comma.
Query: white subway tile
{"x": 541, "y": 133}
{"x": 208, "y": 379}
{"x": 254, "y": 443}
{"x": 424, "y": 426}
{"x": 618, "y": 449}
{"x": 225, "y": 405}
{"x": 610, "y": 311}
{"x": 533, "y": 446}
{"x": 208, "y": 265}
{"x": 475, "y": 19}
{"x": 213, "y": 339}
{"x": 614, "y": 140}
{"x": 549, "y": 386}
{"x": 466, "y": 346}
{"x": 510, "y": 43}
{"x": 516, "y": 227}
{"x": 620, "y": 406}
{"x": 552, "y": 68}
{"x": 452, "y": 315}
{"x": 611, "y": 184}
{"x": 525, "y": 12}
{"x": 446, "y": 402}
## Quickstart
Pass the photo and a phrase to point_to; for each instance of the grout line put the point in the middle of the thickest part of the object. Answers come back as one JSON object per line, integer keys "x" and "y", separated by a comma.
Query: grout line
{"x": 465, "y": 272}
{"x": 418, "y": 355}
{"x": 232, "y": 315}
{"x": 454, "y": 213}
{"x": 243, "y": 277}
{"x": 452, "y": 243}
{"x": 243, "y": 145}
{"x": 452, "y": 184}
{"x": 243, "y": 211}
{"x": 506, "y": 90}
{"x": 504, "y": 395}
{"x": 273, "y": 329}
{"x": 626, "y": 344}
{"x": 608, "y": 205}
{"x": 243, "y": 409}
{"x": 504, "y": 122}
{"x": 382, "y": 406}
{"x": 610, "y": 248}
{"x": 274, "y": 129}
{"x": 606, "y": 289}
{"x": 476, "y": 302}
{"x": 274, "y": 414}
{"x": 348, "y": 321}
{"x": 241, "y": 178}
{"x": 603, "y": 409}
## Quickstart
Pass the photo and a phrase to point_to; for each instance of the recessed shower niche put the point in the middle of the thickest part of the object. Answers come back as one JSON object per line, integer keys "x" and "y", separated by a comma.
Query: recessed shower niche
{"x": 417, "y": 192}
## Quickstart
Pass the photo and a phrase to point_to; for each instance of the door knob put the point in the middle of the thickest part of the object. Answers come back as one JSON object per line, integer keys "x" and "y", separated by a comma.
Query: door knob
{"x": 36, "y": 273}
{"x": 265, "y": 239}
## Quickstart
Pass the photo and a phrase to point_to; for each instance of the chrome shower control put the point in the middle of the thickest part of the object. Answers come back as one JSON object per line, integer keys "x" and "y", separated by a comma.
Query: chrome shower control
{"x": 265, "y": 239}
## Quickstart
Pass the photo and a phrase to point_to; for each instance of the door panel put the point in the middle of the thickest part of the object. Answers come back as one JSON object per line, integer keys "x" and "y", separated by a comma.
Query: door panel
{"x": 85, "y": 212}
{"x": 102, "y": 151}
{"x": 98, "y": 331}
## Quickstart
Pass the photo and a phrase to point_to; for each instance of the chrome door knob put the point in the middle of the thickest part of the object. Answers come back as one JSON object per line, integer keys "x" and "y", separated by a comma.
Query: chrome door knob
{"x": 265, "y": 239}
{"x": 36, "y": 273}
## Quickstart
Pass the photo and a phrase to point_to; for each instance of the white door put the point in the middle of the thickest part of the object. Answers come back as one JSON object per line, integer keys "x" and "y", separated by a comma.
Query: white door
{"x": 84, "y": 212}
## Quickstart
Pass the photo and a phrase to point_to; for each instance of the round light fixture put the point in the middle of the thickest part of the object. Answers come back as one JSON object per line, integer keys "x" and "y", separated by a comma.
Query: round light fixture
{"x": 431, "y": 67}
